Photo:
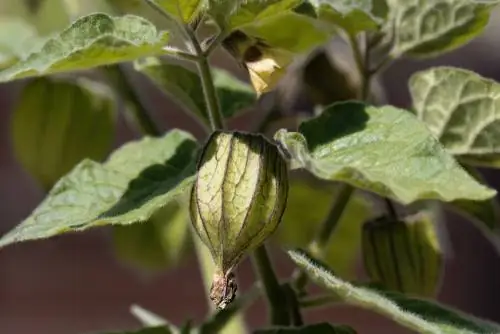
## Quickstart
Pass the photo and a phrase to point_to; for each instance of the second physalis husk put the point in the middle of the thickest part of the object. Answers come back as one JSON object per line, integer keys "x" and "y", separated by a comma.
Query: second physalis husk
{"x": 237, "y": 201}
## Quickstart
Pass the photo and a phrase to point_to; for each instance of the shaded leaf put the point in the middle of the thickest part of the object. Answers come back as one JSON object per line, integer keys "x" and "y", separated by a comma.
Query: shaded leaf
{"x": 91, "y": 41}
{"x": 426, "y": 28}
{"x": 320, "y": 328}
{"x": 352, "y": 16}
{"x": 381, "y": 149}
{"x": 459, "y": 107}
{"x": 254, "y": 11}
{"x": 185, "y": 87}
{"x": 419, "y": 315}
{"x": 137, "y": 180}
{"x": 159, "y": 243}
{"x": 57, "y": 123}
{"x": 184, "y": 10}
{"x": 299, "y": 227}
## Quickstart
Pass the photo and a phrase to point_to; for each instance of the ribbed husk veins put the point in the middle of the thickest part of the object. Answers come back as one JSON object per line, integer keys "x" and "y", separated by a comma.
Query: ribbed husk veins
{"x": 237, "y": 201}
{"x": 403, "y": 255}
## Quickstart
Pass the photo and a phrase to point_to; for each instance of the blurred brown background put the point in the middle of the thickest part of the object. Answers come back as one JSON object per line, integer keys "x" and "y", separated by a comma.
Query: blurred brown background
{"x": 73, "y": 284}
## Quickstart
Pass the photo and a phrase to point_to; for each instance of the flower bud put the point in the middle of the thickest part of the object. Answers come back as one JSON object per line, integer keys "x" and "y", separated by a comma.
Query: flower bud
{"x": 404, "y": 255}
{"x": 237, "y": 201}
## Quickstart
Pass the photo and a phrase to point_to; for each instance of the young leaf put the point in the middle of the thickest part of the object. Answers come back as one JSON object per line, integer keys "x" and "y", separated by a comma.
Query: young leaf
{"x": 419, "y": 315}
{"x": 159, "y": 243}
{"x": 57, "y": 123}
{"x": 427, "y": 28}
{"x": 253, "y": 11}
{"x": 352, "y": 16}
{"x": 323, "y": 328}
{"x": 459, "y": 107}
{"x": 381, "y": 149}
{"x": 298, "y": 227}
{"x": 185, "y": 86}
{"x": 91, "y": 41}
{"x": 134, "y": 183}
{"x": 184, "y": 10}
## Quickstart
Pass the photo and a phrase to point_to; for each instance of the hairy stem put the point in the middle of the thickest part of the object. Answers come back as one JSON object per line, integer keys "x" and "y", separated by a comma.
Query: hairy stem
{"x": 273, "y": 291}
{"x": 140, "y": 116}
{"x": 318, "y": 246}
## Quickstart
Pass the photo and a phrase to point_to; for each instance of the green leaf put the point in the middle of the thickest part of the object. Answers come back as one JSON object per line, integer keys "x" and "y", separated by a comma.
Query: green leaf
{"x": 381, "y": 149}
{"x": 289, "y": 31}
{"x": 320, "y": 328}
{"x": 146, "y": 317}
{"x": 458, "y": 107}
{"x": 17, "y": 38}
{"x": 185, "y": 87}
{"x": 137, "y": 180}
{"x": 159, "y": 243}
{"x": 298, "y": 227}
{"x": 426, "y": 28}
{"x": 253, "y": 11}
{"x": 417, "y": 314}
{"x": 486, "y": 213}
{"x": 184, "y": 10}
{"x": 354, "y": 16}
{"x": 150, "y": 330}
{"x": 91, "y": 41}
{"x": 57, "y": 123}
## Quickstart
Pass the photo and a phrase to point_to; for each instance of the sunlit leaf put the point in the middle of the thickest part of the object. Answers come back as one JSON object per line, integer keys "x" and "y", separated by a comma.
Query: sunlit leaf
{"x": 91, "y": 41}
{"x": 137, "y": 180}
{"x": 57, "y": 123}
{"x": 425, "y": 28}
{"x": 381, "y": 149}
{"x": 184, "y": 10}
{"x": 419, "y": 315}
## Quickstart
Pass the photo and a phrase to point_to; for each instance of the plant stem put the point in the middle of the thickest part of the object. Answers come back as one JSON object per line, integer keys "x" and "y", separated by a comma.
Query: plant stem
{"x": 318, "y": 301}
{"x": 207, "y": 81}
{"x": 273, "y": 291}
{"x": 140, "y": 115}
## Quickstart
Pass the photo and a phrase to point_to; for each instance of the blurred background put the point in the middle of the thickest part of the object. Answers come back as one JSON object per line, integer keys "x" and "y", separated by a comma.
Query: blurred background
{"x": 74, "y": 284}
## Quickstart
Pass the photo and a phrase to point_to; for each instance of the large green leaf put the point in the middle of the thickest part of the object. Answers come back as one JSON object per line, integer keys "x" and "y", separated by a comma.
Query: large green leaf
{"x": 57, "y": 123}
{"x": 91, "y": 41}
{"x": 320, "y": 328}
{"x": 299, "y": 227}
{"x": 459, "y": 107}
{"x": 137, "y": 180}
{"x": 419, "y": 315}
{"x": 425, "y": 28}
{"x": 381, "y": 149}
{"x": 353, "y": 16}
{"x": 184, "y": 10}
{"x": 185, "y": 86}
